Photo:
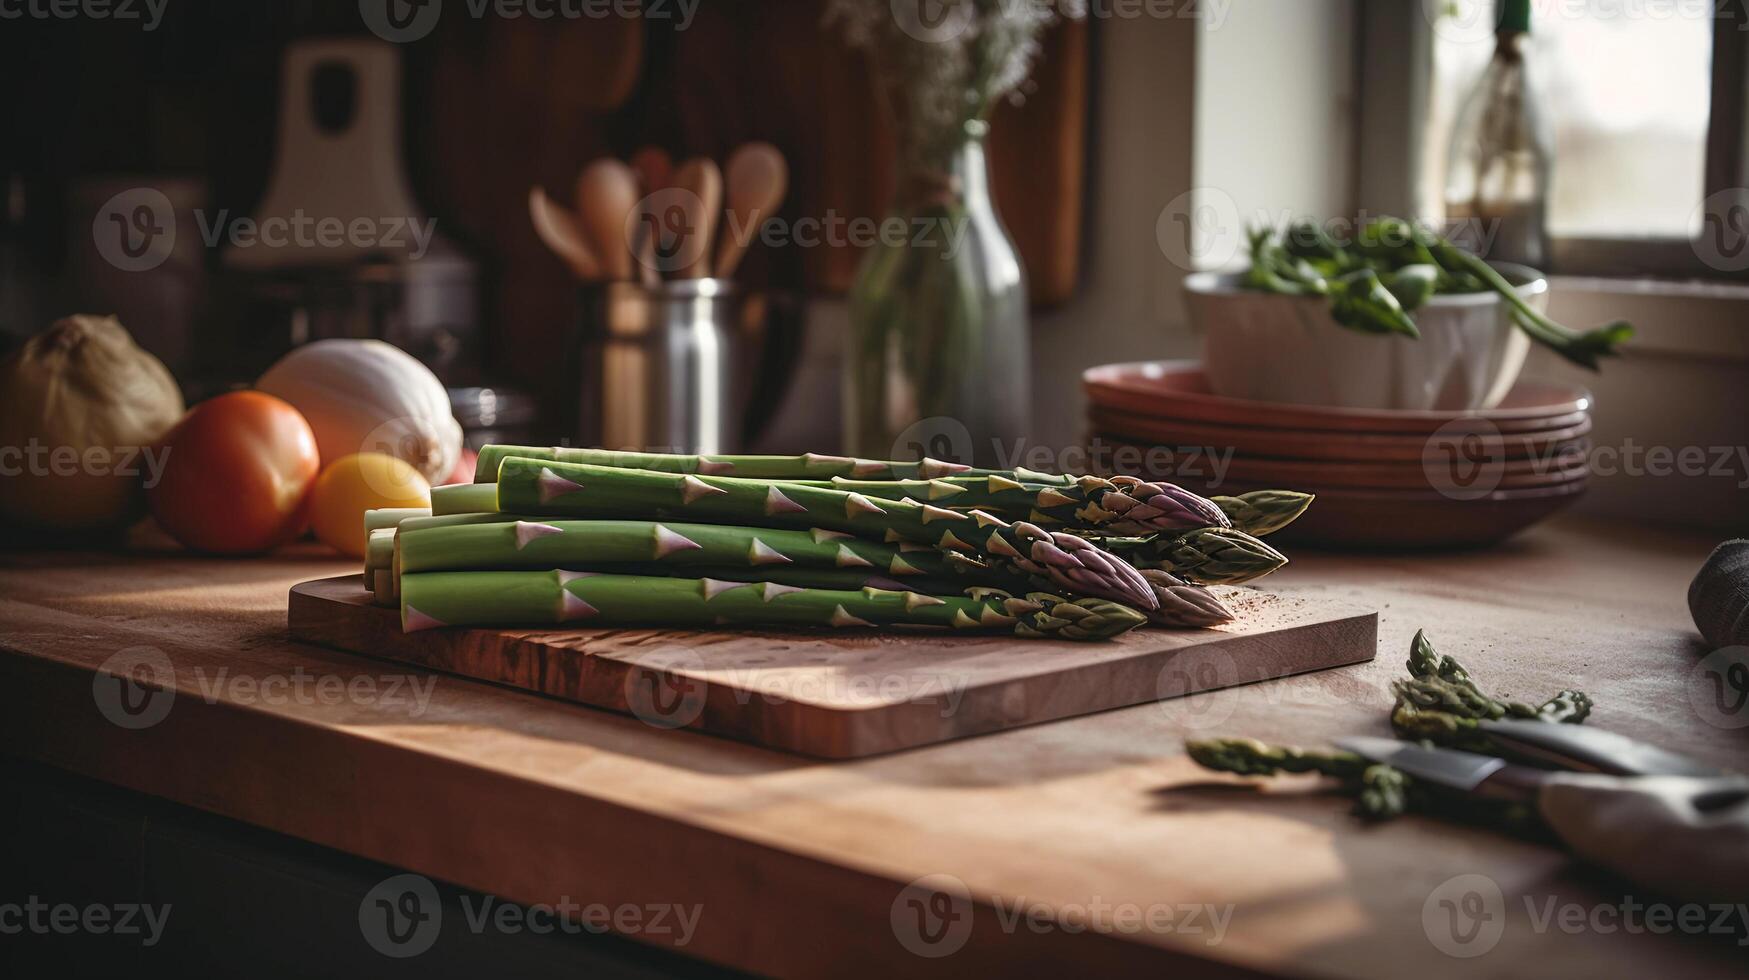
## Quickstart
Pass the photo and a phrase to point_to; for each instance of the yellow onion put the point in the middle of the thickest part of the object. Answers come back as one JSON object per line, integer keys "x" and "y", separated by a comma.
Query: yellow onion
{"x": 81, "y": 405}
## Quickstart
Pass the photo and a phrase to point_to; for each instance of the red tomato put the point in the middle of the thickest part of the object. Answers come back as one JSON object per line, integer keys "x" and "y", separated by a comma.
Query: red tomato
{"x": 238, "y": 471}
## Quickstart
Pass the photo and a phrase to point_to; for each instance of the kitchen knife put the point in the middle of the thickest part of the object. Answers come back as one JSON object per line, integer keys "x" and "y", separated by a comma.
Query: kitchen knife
{"x": 1678, "y": 835}
{"x": 1582, "y": 748}
{"x": 1481, "y": 775}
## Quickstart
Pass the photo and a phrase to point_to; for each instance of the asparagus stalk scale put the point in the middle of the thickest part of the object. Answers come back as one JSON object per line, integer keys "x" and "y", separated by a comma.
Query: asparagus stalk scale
{"x": 811, "y": 466}
{"x": 435, "y": 599}
{"x": 582, "y": 490}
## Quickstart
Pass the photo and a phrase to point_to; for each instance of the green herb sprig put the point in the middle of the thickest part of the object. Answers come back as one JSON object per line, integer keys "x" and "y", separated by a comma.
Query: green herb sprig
{"x": 1375, "y": 280}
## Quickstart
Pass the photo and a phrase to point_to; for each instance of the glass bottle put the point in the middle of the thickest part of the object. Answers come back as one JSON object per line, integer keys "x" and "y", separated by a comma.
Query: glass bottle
{"x": 1497, "y": 178}
{"x": 938, "y": 362}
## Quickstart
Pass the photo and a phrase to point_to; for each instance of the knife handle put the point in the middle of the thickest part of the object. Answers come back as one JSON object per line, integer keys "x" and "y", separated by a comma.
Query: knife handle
{"x": 1513, "y": 783}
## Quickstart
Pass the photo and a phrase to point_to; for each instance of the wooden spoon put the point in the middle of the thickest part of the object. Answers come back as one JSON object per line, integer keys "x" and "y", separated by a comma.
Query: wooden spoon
{"x": 757, "y": 180}
{"x": 557, "y": 227}
{"x": 607, "y": 194}
{"x": 704, "y": 181}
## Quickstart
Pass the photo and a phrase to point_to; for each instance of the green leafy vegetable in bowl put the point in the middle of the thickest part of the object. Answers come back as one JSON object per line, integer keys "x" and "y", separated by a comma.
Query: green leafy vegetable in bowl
{"x": 1377, "y": 279}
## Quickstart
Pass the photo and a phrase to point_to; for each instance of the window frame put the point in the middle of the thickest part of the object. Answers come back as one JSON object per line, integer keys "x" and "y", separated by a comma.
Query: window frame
{"x": 1395, "y": 79}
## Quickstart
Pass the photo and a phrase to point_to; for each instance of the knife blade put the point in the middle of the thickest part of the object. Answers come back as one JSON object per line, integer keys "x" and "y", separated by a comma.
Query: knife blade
{"x": 1467, "y": 772}
{"x": 1586, "y": 749}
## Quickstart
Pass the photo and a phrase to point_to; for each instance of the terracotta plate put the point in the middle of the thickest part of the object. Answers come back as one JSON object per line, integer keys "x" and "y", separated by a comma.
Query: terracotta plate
{"x": 1177, "y": 390}
{"x": 1199, "y": 467}
{"x": 1475, "y": 436}
{"x": 1385, "y": 520}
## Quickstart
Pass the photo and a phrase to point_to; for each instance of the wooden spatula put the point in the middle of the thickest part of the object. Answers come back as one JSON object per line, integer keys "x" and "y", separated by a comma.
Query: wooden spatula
{"x": 607, "y": 194}
{"x": 757, "y": 179}
{"x": 704, "y": 181}
{"x": 557, "y": 227}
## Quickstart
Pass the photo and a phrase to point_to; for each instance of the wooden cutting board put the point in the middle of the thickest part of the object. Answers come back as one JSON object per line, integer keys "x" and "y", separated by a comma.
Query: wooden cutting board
{"x": 844, "y": 696}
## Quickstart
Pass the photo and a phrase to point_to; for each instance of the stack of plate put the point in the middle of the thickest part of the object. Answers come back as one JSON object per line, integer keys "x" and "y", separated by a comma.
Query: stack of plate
{"x": 1384, "y": 479}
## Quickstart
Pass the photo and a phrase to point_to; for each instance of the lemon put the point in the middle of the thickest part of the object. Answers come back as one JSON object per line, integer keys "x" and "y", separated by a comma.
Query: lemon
{"x": 351, "y": 485}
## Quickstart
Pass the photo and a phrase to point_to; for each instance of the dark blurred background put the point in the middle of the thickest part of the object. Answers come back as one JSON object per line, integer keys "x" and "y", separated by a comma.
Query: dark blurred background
{"x": 489, "y": 106}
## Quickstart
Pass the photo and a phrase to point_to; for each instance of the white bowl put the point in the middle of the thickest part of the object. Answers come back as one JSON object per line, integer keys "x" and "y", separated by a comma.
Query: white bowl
{"x": 1267, "y": 347}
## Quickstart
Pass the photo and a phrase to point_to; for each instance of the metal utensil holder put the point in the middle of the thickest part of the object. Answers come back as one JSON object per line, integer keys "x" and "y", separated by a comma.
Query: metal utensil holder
{"x": 656, "y": 366}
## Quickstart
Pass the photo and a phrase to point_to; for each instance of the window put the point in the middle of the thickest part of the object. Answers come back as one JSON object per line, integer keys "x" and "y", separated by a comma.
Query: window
{"x": 1644, "y": 103}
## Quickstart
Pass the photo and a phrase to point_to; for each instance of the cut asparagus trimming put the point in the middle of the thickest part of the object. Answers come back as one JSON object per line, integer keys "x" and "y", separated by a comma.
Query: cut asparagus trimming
{"x": 811, "y": 466}
{"x": 1120, "y": 505}
{"x": 584, "y": 491}
{"x": 434, "y": 599}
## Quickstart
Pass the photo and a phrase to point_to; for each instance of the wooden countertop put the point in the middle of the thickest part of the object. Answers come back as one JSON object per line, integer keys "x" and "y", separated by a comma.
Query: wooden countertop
{"x": 799, "y": 866}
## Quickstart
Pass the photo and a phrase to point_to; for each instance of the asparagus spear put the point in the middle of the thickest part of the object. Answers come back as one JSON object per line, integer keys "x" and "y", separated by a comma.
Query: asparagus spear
{"x": 538, "y": 544}
{"x": 1181, "y": 604}
{"x": 391, "y": 517}
{"x": 581, "y": 490}
{"x": 1207, "y": 556}
{"x": 435, "y": 599}
{"x": 1381, "y": 792}
{"x": 1119, "y": 505}
{"x": 379, "y": 553}
{"x": 1184, "y": 604}
{"x": 463, "y": 498}
{"x": 811, "y": 466}
{"x": 1262, "y": 512}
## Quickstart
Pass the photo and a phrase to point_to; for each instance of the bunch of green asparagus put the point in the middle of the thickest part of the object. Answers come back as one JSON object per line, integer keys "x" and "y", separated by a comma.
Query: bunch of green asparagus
{"x": 1375, "y": 281}
{"x": 580, "y": 536}
{"x": 1438, "y": 703}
